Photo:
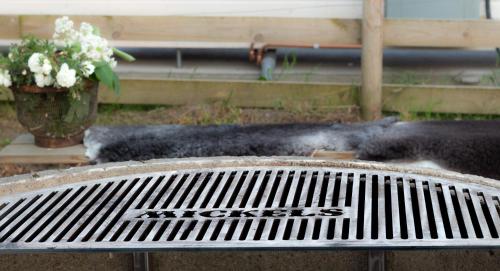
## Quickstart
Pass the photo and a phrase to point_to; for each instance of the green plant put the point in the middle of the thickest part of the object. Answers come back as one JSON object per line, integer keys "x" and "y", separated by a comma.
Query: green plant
{"x": 193, "y": 73}
{"x": 309, "y": 74}
{"x": 493, "y": 78}
{"x": 408, "y": 78}
{"x": 289, "y": 62}
{"x": 4, "y": 142}
{"x": 67, "y": 61}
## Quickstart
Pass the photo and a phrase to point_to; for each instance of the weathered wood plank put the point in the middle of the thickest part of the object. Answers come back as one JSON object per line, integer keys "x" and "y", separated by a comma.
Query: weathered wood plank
{"x": 9, "y": 27}
{"x": 237, "y": 93}
{"x": 22, "y": 152}
{"x": 346, "y": 155}
{"x": 441, "y": 33}
{"x": 209, "y": 29}
{"x": 442, "y": 99}
{"x": 399, "y": 98}
{"x": 372, "y": 59}
{"x": 23, "y": 139}
{"x": 171, "y": 31}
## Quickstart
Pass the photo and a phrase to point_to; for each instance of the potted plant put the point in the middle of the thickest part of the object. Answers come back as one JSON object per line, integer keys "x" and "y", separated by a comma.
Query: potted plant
{"x": 55, "y": 82}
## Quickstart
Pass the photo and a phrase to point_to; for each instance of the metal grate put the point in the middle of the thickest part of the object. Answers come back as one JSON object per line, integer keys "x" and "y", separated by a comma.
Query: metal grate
{"x": 253, "y": 207}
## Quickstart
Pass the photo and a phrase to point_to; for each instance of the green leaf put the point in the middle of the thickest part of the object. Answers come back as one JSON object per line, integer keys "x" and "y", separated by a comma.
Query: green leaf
{"x": 105, "y": 75}
{"x": 121, "y": 54}
{"x": 95, "y": 30}
{"x": 116, "y": 84}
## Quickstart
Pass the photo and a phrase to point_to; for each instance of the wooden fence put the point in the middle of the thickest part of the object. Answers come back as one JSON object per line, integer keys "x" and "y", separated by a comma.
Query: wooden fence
{"x": 374, "y": 32}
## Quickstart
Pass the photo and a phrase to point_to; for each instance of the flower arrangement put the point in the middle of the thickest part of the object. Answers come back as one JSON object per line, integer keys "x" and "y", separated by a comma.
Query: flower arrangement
{"x": 55, "y": 81}
{"x": 64, "y": 62}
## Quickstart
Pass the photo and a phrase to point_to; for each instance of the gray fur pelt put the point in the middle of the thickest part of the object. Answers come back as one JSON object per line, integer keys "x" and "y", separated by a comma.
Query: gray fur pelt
{"x": 464, "y": 146}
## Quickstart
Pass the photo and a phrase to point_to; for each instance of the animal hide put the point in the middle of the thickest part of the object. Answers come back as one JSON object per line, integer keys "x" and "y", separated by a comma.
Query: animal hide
{"x": 464, "y": 146}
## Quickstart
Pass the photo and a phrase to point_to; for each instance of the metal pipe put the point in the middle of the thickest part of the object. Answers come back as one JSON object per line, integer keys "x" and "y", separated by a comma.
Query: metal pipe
{"x": 268, "y": 65}
{"x": 178, "y": 55}
{"x": 141, "y": 261}
{"x": 256, "y": 54}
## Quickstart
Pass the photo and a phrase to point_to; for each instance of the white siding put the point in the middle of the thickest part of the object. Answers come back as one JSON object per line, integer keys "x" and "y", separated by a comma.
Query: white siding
{"x": 254, "y": 8}
{"x": 265, "y": 8}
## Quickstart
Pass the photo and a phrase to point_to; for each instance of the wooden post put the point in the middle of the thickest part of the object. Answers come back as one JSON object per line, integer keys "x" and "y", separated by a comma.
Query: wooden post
{"x": 372, "y": 59}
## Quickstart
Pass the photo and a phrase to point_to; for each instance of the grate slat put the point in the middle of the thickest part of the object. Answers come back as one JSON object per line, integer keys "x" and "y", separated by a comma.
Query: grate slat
{"x": 281, "y": 188}
{"x": 256, "y": 187}
{"x": 220, "y": 193}
{"x": 293, "y": 189}
{"x": 176, "y": 184}
{"x": 465, "y": 213}
{"x": 194, "y": 190}
{"x": 224, "y": 230}
{"x": 367, "y": 218}
{"x": 63, "y": 213}
{"x": 86, "y": 217}
{"x": 396, "y": 226}
{"x": 480, "y": 215}
{"x": 426, "y": 234}
{"x": 317, "y": 189}
{"x": 410, "y": 221}
{"x": 110, "y": 219}
{"x": 341, "y": 203}
{"x": 310, "y": 230}
{"x": 451, "y": 212}
{"x": 104, "y": 216}
{"x": 39, "y": 216}
{"x": 234, "y": 183}
{"x": 353, "y": 223}
{"x": 195, "y": 231}
{"x": 305, "y": 188}
{"x": 18, "y": 211}
{"x": 495, "y": 215}
{"x": 267, "y": 196}
{"x": 247, "y": 182}
{"x": 29, "y": 215}
{"x": 179, "y": 194}
{"x": 437, "y": 212}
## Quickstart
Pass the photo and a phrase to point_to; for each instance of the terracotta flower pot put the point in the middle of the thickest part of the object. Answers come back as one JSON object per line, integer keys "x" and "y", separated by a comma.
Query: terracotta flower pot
{"x": 54, "y": 116}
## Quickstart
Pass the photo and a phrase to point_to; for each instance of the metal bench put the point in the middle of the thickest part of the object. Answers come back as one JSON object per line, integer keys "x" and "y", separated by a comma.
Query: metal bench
{"x": 247, "y": 203}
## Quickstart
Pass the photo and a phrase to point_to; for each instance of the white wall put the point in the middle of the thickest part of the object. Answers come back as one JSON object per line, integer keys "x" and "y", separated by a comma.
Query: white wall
{"x": 266, "y": 8}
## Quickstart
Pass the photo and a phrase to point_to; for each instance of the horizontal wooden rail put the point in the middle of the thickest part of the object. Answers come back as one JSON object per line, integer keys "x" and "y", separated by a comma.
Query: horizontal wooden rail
{"x": 237, "y": 93}
{"x": 240, "y": 32}
{"x": 442, "y": 33}
{"x": 398, "y": 98}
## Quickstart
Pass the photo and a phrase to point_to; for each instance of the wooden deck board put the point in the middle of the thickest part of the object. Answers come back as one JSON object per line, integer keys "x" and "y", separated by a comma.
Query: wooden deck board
{"x": 22, "y": 150}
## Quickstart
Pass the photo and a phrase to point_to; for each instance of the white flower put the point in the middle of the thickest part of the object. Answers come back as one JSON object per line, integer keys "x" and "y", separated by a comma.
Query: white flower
{"x": 11, "y": 56}
{"x": 43, "y": 80}
{"x": 86, "y": 29}
{"x": 64, "y": 33}
{"x": 66, "y": 77}
{"x": 24, "y": 72}
{"x": 63, "y": 24}
{"x": 34, "y": 62}
{"x": 87, "y": 68}
{"x": 46, "y": 67}
{"x": 112, "y": 62}
{"x": 38, "y": 63}
{"x": 5, "y": 79}
{"x": 92, "y": 46}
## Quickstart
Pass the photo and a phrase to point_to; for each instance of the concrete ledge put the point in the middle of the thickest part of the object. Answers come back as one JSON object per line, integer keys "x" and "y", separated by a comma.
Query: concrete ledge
{"x": 52, "y": 178}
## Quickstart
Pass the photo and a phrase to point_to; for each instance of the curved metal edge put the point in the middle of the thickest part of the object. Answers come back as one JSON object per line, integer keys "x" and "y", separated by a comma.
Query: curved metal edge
{"x": 52, "y": 178}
